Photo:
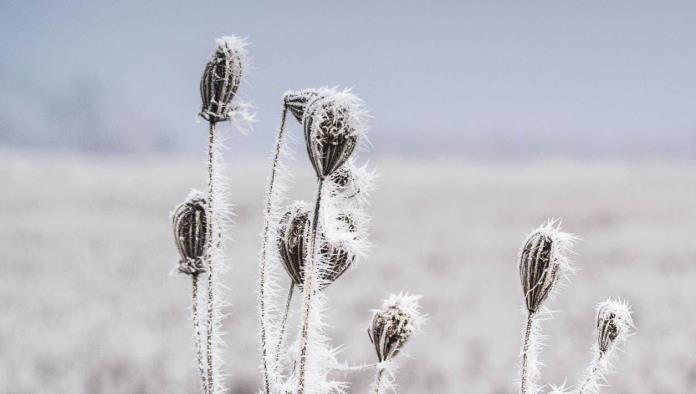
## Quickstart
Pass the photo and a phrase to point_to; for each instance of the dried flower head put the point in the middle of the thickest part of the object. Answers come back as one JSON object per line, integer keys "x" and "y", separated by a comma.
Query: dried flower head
{"x": 351, "y": 181}
{"x": 614, "y": 324}
{"x": 190, "y": 233}
{"x": 332, "y": 125}
{"x": 394, "y": 324}
{"x": 293, "y": 233}
{"x": 221, "y": 78}
{"x": 296, "y": 101}
{"x": 542, "y": 261}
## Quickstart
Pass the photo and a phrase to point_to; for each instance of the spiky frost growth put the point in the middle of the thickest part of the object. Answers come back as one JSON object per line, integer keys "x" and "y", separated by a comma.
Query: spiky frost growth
{"x": 543, "y": 261}
{"x": 614, "y": 325}
{"x": 391, "y": 327}
{"x": 292, "y": 241}
{"x": 219, "y": 84}
{"x": 221, "y": 78}
{"x": 352, "y": 183}
{"x": 190, "y": 225}
{"x": 332, "y": 125}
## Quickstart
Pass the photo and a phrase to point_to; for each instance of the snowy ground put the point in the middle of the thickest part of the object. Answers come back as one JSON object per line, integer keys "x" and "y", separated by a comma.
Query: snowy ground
{"x": 87, "y": 304}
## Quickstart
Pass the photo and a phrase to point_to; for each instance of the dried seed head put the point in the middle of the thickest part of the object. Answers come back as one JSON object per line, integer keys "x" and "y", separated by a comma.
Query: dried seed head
{"x": 221, "y": 78}
{"x": 296, "y": 101}
{"x": 542, "y": 261}
{"x": 351, "y": 181}
{"x": 293, "y": 238}
{"x": 614, "y": 324}
{"x": 190, "y": 233}
{"x": 332, "y": 125}
{"x": 394, "y": 324}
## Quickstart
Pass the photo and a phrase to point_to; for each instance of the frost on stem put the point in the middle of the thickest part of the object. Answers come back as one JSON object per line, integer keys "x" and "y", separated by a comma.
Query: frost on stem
{"x": 391, "y": 327}
{"x": 221, "y": 78}
{"x": 613, "y": 326}
{"x": 332, "y": 127}
{"x": 542, "y": 262}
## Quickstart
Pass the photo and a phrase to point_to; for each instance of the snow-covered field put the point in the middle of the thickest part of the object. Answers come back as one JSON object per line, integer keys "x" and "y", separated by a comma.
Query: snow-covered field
{"x": 87, "y": 304}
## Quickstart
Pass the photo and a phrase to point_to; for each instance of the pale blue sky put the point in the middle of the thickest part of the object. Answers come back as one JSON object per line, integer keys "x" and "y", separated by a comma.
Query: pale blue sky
{"x": 592, "y": 77}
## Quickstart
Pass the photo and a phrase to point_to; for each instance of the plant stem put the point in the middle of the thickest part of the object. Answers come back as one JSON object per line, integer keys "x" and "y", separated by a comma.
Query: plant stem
{"x": 263, "y": 266}
{"x": 211, "y": 266}
{"x": 378, "y": 381}
{"x": 525, "y": 353}
{"x": 197, "y": 333}
{"x": 591, "y": 377}
{"x": 284, "y": 322}
{"x": 309, "y": 289}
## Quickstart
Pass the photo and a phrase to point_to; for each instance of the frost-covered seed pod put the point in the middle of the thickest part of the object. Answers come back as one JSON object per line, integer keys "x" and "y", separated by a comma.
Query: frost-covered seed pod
{"x": 613, "y": 324}
{"x": 292, "y": 240}
{"x": 393, "y": 325}
{"x": 190, "y": 223}
{"x": 541, "y": 262}
{"x": 332, "y": 125}
{"x": 297, "y": 101}
{"x": 221, "y": 79}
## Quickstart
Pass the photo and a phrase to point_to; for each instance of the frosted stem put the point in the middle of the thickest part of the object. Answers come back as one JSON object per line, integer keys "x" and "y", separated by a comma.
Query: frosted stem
{"x": 211, "y": 265}
{"x": 378, "y": 381}
{"x": 309, "y": 288}
{"x": 526, "y": 348}
{"x": 592, "y": 376}
{"x": 284, "y": 322}
{"x": 264, "y": 297}
{"x": 197, "y": 334}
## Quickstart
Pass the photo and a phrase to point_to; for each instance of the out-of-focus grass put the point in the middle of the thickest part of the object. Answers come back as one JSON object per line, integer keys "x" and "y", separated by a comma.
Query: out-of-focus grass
{"x": 88, "y": 305}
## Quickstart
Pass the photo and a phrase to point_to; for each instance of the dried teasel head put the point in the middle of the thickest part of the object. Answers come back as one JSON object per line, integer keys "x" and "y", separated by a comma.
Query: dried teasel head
{"x": 293, "y": 238}
{"x": 221, "y": 78}
{"x": 190, "y": 233}
{"x": 332, "y": 125}
{"x": 614, "y": 324}
{"x": 393, "y": 325}
{"x": 543, "y": 261}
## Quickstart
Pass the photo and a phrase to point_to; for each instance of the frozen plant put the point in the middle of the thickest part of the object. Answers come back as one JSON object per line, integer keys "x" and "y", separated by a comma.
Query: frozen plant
{"x": 543, "y": 262}
{"x": 200, "y": 222}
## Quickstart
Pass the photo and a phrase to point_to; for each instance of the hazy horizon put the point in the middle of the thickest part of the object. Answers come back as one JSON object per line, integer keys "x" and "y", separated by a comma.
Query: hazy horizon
{"x": 453, "y": 78}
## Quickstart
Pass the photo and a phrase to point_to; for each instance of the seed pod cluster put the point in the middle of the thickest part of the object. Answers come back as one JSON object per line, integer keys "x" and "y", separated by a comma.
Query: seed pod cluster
{"x": 393, "y": 325}
{"x": 296, "y": 102}
{"x": 221, "y": 79}
{"x": 614, "y": 323}
{"x": 332, "y": 126}
{"x": 541, "y": 263}
{"x": 189, "y": 221}
{"x": 293, "y": 233}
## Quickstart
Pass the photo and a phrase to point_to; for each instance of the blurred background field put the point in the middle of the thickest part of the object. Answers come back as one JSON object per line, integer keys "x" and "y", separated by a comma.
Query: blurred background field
{"x": 89, "y": 305}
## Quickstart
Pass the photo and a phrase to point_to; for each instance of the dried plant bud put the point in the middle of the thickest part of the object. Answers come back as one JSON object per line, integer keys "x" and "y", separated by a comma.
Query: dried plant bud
{"x": 394, "y": 324}
{"x": 221, "y": 78}
{"x": 542, "y": 261}
{"x": 351, "y": 181}
{"x": 190, "y": 233}
{"x": 293, "y": 234}
{"x": 614, "y": 324}
{"x": 297, "y": 101}
{"x": 332, "y": 125}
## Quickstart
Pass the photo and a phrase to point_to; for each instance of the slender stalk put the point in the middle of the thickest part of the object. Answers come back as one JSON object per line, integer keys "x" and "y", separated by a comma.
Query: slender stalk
{"x": 197, "y": 333}
{"x": 263, "y": 266}
{"x": 284, "y": 322}
{"x": 309, "y": 289}
{"x": 525, "y": 353}
{"x": 211, "y": 265}
{"x": 591, "y": 377}
{"x": 378, "y": 381}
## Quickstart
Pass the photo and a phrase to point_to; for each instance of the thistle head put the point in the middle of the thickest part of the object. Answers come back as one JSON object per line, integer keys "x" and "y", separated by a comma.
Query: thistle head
{"x": 190, "y": 221}
{"x": 393, "y": 325}
{"x": 614, "y": 324}
{"x": 221, "y": 78}
{"x": 543, "y": 260}
{"x": 332, "y": 125}
{"x": 293, "y": 239}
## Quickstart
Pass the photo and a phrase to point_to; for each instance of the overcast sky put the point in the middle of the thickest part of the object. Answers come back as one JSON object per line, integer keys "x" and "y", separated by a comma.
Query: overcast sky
{"x": 489, "y": 77}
